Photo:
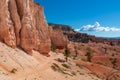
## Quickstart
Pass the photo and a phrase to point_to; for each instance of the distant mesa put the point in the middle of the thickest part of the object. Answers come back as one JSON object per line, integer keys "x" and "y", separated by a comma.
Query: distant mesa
{"x": 76, "y": 36}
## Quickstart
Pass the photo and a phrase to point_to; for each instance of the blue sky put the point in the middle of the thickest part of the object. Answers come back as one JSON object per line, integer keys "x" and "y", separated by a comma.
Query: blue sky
{"x": 81, "y": 13}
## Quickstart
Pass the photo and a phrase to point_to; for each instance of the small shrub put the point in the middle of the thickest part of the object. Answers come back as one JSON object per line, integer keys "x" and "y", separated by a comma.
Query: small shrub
{"x": 66, "y": 53}
{"x": 65, "y": 65}
{"x": 73, "y": 73}
{"x": 83, "y": 59}
{"x": 113, "y": 54}
{"x": 89, "y": 56}
{"x": 13, "y": 70}
{"x": 53, "y": 47}
{"x": 55, "y": 67}
{"x": 113, "y": 61}
{"x": 79, "y": 66}
{"x": 105, "y": 49}
{"x": 74, "y": 58}
{"x": 110, "y": 59}
{"x": 88, "y": 49}
{"x": 81, "y": 73}
{"x": 76, "y": 52}
{"x": 100, "y": 63}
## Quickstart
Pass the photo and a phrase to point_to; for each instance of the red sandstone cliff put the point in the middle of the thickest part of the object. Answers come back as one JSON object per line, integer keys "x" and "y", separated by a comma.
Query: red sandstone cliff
{"x": 22, "y": 23}
{"x": 57, "y": 38}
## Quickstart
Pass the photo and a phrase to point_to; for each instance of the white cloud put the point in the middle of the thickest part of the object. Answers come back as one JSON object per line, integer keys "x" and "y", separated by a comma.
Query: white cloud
{"x": 97, "y": 27}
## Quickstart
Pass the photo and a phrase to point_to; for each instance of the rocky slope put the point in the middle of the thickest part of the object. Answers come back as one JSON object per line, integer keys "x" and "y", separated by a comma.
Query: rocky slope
{"x": 102, "y": 59}
{"x": 15, "y": 64}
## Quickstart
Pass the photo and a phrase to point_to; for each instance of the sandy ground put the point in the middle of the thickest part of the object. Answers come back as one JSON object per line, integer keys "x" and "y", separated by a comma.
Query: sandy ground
{"x": 15, "y": 64}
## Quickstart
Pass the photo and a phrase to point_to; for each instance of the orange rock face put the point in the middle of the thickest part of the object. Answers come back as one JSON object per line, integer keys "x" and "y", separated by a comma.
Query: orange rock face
{"x": 6, "y": 24}
{"x": 58, "y": 39}
{"x": 43, "y": 42}
{"x": 22, "y": 23}
{"x": 15, "y": 19}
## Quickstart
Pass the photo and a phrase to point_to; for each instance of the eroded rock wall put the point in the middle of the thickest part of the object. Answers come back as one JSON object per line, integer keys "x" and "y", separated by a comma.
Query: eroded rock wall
{"x": 58, "y": 39}
{"x": 22, "y": 23}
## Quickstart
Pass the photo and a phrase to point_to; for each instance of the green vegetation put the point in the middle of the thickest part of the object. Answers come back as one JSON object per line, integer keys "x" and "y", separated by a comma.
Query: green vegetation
{"x": 76, "y": 52}
{"x": 113, "y": 55}
{"x": 89, "y": 49}
{"x": 66, "y": 53}
{"x": 73, "y": 73}
{"x": 113, "y": 61}
{"x": 55, "y": 67}
{"x": 89, "y": 53}
{"x": 79, "y": 66}
{"x": 13, "y": 70}
{"x": 83, "y": 59}
{"x": 100, "y": 63}
{"x": 53, "y": 47}
{"x": 89, "y": 56}
{"x": 66, "y": 66}
{"x": 105, "y": 49}
{"x": 81, "y": 73}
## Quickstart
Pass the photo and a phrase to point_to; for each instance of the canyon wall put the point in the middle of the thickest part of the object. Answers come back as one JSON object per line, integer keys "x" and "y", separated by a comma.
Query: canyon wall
{"x": 58, "y": 39}
{"x": 22, "y": 23}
